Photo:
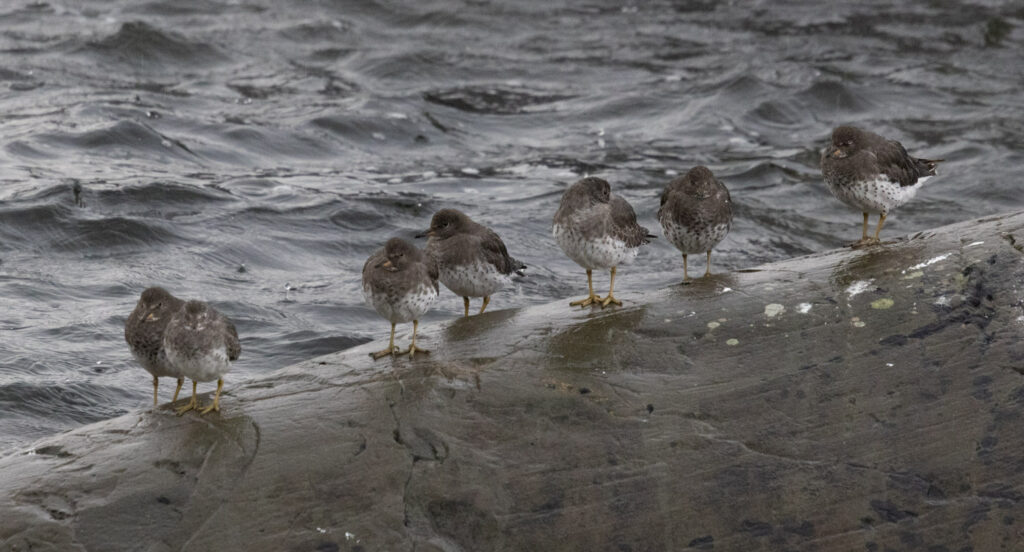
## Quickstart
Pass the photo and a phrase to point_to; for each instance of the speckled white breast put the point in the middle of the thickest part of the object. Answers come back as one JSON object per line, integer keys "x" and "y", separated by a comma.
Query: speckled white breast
{"x": 875, "y": 196}
{"x": 473, "y": 280}
{"x": 200, "y": 365}
{"x": 690, "y": 242}
{"x": 604, "y": 252}
{"x": 398, "y": 308}
{"x": 161, "y": 368}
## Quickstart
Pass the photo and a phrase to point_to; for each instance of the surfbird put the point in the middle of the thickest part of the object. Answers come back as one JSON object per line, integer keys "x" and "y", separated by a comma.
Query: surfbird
{"x": 695, "y": 213}
{"x": 872, "y": 174}
{"x": 201, "y": 342}
{"x": 472, "y": 261}
{"x": 597, "y": 229}
{"x": 144, "y": 332}
{"x": 400, "y": 283}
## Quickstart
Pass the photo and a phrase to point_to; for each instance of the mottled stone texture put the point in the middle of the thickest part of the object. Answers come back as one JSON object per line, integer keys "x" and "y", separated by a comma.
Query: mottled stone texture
{"x": 886, "y": 417}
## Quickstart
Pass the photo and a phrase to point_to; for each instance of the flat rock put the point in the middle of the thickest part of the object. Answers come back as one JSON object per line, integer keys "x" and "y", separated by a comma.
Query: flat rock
{"x": 851, "y": 400}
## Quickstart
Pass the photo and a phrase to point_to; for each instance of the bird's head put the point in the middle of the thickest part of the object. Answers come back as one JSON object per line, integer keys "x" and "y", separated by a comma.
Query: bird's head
{"x": 152, "y": 302}
{"x": 399, "y": 254}
{"x": 597, "y": 190}
{"x": 846, "y": 141}
{"x": 446, "y": 223}
{"x": 195, "y": 314}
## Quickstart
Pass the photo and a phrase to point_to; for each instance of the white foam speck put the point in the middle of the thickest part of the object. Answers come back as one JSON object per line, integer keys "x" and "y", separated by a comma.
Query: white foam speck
{"x": 803, "y": 308}
{"x": 321, "y": 531}
{"x": 973, "y": 244}
{"x": 942, "y": 301}
{"x": 379, "y": 136}
{"x": 670, "y": 172}
{"x": 889, "y": 364}
{"x": 396, "y": 115}
{"x": 470, "y": 170}
{"x": 430, "y": 174}
{"x": 349, "y": 536}
{"x": 726, "y": 290}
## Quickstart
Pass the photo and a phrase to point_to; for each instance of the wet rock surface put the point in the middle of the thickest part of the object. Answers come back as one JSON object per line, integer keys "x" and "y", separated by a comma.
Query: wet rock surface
{"x": 851, "y": 400}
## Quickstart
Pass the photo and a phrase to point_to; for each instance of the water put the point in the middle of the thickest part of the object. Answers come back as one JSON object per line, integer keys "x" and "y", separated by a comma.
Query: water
{"x": 253, "y": 154}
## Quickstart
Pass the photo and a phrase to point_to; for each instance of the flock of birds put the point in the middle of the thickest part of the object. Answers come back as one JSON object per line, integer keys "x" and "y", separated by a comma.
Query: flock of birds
{"x": 595, "y": 228}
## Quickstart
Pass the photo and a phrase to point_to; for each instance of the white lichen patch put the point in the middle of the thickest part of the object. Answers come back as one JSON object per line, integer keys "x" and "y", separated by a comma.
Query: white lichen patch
{"x": 773, "y": 309}
{"x": 857, "y": 322}
{"x": 942, "y": 301}
{"x": 856, "y": 288}
{"x": 803, "y": 308}
{"x": 929, "y": 262}
{"x": 732, "y": 342}
{"x": 712, "y": 325}
{"x": 912, "y": 275}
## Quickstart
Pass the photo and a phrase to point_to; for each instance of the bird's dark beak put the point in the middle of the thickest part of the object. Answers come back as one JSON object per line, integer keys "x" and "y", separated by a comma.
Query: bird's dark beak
{"x": 428, "y": 233}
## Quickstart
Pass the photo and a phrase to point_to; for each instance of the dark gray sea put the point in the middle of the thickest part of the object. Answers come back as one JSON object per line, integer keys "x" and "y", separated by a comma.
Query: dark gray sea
{"x": 253, "y": 153}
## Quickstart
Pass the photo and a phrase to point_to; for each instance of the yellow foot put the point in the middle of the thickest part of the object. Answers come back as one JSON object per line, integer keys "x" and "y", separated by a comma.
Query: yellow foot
{"x": 215, "y": 406}
{"x": 865, "y": 242}
{"x": 591, "y": 300}
{"x": 609, "y": 300}
{"x": 190, "y": 405}
{"x": 391, "y": 351}
{"x": 412, "y": 350}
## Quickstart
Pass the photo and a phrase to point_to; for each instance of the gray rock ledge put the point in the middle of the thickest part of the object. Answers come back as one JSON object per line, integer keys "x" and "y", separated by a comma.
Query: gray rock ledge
{"x": 850, "y": 400}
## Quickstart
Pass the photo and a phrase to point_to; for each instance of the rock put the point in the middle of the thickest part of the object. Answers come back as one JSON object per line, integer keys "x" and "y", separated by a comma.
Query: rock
{"x": 879, "y": 408}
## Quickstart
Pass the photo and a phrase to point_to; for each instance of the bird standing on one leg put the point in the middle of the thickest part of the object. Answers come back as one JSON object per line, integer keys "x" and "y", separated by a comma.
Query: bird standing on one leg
{"x": 695, "y": 213}
{"x": 472, "y": 260}
{"x": 202, "y": 343}
{"x": 144, "y": 332}
{"x": 400, "y": 283}
{"x": 872, "y": 174}
{"x": 597, "y": 229}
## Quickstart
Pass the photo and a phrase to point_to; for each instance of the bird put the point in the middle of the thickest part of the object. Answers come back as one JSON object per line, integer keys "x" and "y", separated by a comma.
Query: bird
{"x": 201, "y": 342}
{"x": 597, "y": 229}
{"x": 144, "y": 333}
{"x": 400, "y": 283}
{"x": 695, "y": 213}
{"x": 472, "y": 260}
{"x": 872, "y": 174}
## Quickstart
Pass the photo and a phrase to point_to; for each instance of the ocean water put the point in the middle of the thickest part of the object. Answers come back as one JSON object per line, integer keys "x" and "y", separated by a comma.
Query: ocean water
{"x": 253, "y": 154}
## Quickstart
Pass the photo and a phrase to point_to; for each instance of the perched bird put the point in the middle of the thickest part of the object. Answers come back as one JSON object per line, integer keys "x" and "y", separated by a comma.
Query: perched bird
{"x": 201, "y": 343}
{"x": 872, "y": 174}
{"x": 400, "y": 283}
{"x": 144, "y": 332}
{"x": 695, "y": 213}
{"x": 471, "y": 259}
{"x": 597, "y": 230}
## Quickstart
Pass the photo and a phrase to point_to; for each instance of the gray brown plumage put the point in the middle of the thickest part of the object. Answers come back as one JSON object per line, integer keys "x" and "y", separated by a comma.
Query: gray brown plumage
{"x": 144, "y": 333}
{"x": 597, "y": 229}
{"x": 201, "y": 343}
{"x": 872, "y": 174}
{"x": 400, "y": 283}
{"x": 472, "y": 260}
{"x": 695, "y": 213}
